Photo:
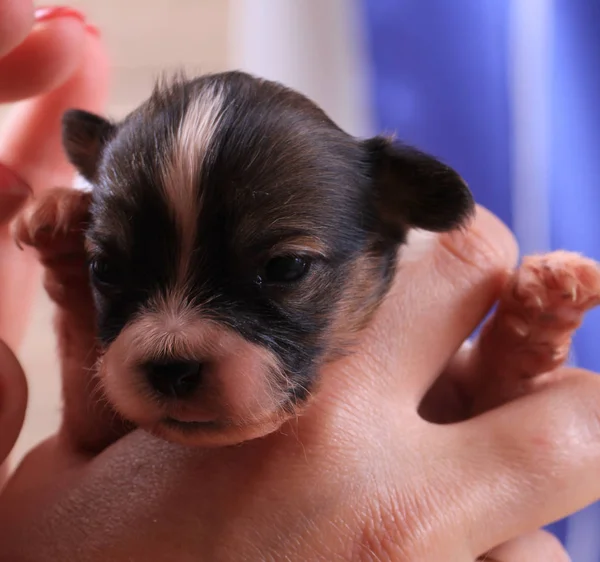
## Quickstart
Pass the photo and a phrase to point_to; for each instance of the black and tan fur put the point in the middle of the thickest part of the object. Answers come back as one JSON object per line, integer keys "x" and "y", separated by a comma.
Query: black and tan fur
{"x": 193, "y": 194}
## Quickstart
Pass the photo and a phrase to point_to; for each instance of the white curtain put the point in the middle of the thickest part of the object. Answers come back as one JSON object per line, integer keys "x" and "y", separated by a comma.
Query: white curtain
{"x": 314, "y": 46}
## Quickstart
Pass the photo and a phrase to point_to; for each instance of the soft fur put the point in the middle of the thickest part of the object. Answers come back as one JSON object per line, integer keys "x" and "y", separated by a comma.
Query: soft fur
{"x": 237, "y": 239}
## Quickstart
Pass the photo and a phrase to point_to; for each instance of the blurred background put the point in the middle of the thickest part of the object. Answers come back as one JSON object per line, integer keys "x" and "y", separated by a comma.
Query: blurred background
{"x": 505, "y": 91}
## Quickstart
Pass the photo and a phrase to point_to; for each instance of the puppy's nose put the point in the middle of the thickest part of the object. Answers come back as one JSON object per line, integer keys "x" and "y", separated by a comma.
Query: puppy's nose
{"x": 175, "y": 379}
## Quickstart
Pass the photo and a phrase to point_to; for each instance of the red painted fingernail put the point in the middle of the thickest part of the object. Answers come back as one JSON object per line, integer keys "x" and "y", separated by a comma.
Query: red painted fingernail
{"x": 92, "y": 29}
{"x": 45, "y": 13}
{"x": 11, "y": 185}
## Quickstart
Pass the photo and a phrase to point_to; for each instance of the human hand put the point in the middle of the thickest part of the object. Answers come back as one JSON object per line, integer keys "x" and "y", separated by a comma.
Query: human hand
{"x": 361, "y": 475}
{"x": 50, "y": 60}
{"x": 54, "y": 59}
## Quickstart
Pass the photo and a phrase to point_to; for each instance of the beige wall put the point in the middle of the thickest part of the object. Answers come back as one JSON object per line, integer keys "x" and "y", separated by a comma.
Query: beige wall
{"x": 148, "y": 37}
{"x": 144, "y": 39}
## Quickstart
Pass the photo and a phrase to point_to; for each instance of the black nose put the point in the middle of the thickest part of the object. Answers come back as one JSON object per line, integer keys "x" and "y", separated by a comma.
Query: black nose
{"x": 175, "y": 379}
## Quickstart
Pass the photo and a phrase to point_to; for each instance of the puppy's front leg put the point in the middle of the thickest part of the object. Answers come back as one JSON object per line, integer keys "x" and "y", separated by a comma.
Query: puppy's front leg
{"x": 54, "y": 224}
{"x": 530, "y": 333}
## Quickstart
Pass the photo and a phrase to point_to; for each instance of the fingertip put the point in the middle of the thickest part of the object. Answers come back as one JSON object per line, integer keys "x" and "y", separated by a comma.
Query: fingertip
{"x": 47, "y": 13}
{"x": 44, "y": 164}
{"x": 16, "y": 19}
{"x": 486, "y": 241}
{"x": 45, "y": 60}
{"x": 498, "y": 230}
{"x": 14, "y": 192}
{"x": 13, "y": 400}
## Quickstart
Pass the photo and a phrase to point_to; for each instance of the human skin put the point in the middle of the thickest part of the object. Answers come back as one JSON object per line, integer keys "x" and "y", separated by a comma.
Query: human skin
{"x": 361, "y": 476}
{"x": 76, "y": 74}
{"x": 31, "y": 155}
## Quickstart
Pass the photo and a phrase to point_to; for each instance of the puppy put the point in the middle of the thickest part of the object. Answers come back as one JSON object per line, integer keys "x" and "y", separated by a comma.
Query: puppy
{"x": 235, "y": 239}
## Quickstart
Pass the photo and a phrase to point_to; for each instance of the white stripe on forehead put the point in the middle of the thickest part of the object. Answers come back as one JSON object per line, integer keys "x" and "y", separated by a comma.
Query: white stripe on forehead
{"x": 183, "y": 165}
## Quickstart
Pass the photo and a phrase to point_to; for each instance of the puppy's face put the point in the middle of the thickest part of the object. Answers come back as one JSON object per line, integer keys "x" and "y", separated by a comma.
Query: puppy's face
{"x": 238, "y": 239}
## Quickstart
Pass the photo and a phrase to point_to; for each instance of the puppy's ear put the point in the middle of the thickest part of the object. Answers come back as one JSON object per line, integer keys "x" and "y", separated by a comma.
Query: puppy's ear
{"x": 84, "y": 136}
{"x": 415, "y": 190}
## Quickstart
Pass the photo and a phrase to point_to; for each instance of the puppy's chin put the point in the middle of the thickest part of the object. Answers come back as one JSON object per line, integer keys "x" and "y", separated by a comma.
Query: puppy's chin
{"x": 196, "y": 427}
{"x": 215, "y": 433}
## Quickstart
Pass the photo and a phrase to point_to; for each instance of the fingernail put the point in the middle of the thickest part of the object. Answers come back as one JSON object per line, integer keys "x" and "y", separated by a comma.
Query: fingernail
{"x": 45, "y": 13}
{"x": 92, "y": 29}
{"x": 11, "y": 185}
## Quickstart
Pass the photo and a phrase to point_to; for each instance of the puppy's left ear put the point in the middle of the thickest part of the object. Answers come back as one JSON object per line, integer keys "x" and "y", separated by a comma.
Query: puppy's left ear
{"x": 84, "y": 136}
{"x": 415, "y": 190}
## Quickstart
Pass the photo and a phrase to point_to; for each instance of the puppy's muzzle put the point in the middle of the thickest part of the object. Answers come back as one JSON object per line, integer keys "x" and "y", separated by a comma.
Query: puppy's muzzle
{"x": 193, "y": 380}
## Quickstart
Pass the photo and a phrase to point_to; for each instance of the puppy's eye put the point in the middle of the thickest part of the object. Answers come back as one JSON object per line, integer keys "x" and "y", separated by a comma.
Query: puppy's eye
{"x": 286, "y": 269}
{"x": 104, "y": 272}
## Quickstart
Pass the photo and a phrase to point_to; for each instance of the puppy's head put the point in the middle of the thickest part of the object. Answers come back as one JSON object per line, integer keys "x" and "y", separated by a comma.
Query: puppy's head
{"x": 238, "y": 239}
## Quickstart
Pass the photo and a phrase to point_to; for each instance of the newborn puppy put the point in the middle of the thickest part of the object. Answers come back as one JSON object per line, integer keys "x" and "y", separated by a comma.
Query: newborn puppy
{"x": 236, "y": 239}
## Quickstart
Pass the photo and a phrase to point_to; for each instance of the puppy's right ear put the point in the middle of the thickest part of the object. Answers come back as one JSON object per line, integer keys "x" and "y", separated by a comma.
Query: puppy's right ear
{"x": 84, "y": 136}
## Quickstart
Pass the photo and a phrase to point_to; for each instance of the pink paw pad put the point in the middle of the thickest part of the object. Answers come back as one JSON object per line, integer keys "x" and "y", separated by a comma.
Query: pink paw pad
{"x": 554, "y": 289}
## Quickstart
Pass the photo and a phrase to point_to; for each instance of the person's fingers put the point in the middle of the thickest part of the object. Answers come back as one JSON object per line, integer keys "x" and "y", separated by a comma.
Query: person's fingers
{"x": 13, "y": 401}
{"x": 13, "y": 194}
{"x": 444, "y": 287}
{"x": 16, "y": 19}
{"x": 538, "y": 546}
{"x": 448, "y": 401}
{"x": 31, "y": 147}
{"x": 30, "y": 139}
{"x": 464, "y": 280}
{"x": 46, "y": 58}
{"x": 528, "y": 463}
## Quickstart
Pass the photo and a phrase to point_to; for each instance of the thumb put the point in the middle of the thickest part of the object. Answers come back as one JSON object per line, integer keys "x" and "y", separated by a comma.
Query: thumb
{"x": 13, "y": 402}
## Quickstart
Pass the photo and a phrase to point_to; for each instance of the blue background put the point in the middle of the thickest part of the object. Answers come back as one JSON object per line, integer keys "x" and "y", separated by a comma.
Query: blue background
{"x": 440, "y": 80}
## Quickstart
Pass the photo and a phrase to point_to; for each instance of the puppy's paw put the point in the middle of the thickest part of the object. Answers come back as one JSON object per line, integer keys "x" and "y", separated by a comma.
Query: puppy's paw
{"x": 557, "y": 282}
{"x": 530, "y": 333}
{"x": 54, "y": 224}
{"x": 551, "y": 292}
{"x": 541, "y": 306}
